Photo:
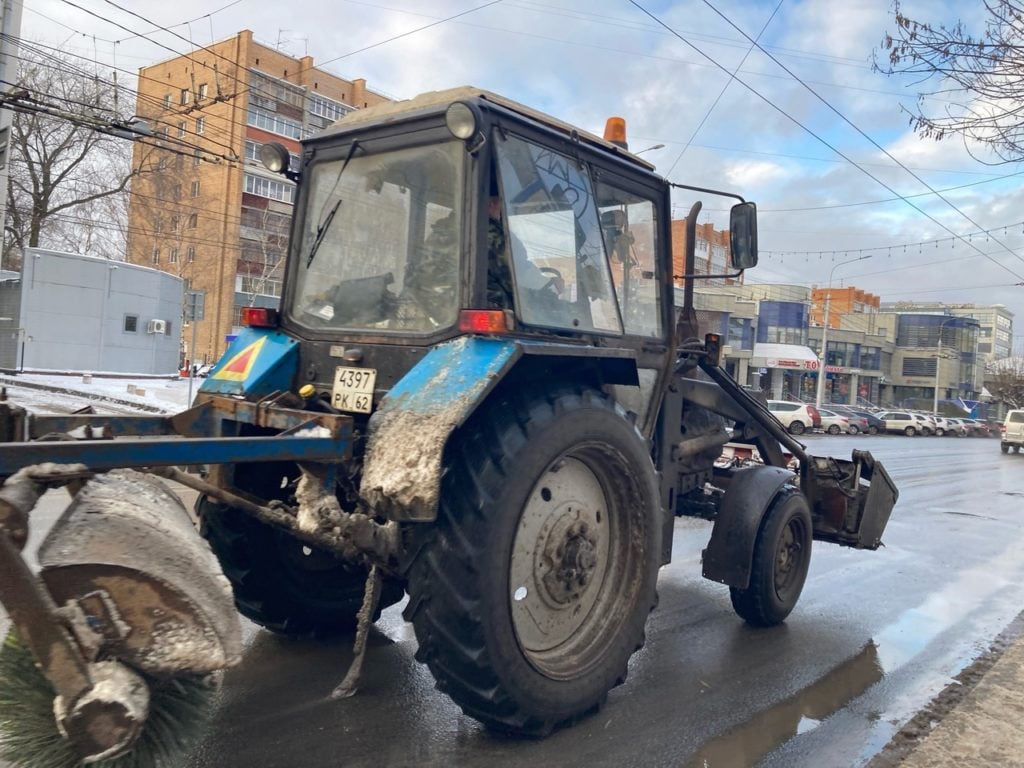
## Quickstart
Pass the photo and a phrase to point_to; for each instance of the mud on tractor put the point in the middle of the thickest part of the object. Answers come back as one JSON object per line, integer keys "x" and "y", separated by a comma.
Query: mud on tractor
{"x": 482, "y": 389}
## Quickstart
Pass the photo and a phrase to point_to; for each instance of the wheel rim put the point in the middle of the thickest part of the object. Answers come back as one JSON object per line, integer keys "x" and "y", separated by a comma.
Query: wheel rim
{"x": 571, "y": 569}
{"x": 789, "y": 557}
{"x": 796, "y": 428}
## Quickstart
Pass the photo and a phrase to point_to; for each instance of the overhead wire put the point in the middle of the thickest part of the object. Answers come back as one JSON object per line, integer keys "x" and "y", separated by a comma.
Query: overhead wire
{"x": 721, "y": 93}
{"x": 823, "y": 140}
{"x": 857, "y": 128}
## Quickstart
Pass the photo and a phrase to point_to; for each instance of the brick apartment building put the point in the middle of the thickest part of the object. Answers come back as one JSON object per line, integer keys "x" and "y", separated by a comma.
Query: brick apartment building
{"x": 204, "y": 208}
{"x": 712, "y": 253}
{"x": 842, "y": 302}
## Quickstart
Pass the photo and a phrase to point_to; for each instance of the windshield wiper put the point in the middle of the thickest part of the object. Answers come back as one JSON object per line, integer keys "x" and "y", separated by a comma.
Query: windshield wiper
{"x": 325, "y": 223}
{"x": 320, "y": 232}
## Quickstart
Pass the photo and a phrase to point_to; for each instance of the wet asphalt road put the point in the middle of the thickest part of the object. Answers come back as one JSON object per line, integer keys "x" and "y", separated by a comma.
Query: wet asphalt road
{"x": 874, "y": 637}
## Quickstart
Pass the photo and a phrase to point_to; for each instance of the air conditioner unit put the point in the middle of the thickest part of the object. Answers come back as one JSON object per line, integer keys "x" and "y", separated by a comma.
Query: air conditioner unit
{"x": 156, "y": 326}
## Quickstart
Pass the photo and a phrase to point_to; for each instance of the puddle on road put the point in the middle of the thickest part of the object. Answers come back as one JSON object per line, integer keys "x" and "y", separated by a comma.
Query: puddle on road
{"x": 800, "y": 713}
{"x": 891, "y": 648}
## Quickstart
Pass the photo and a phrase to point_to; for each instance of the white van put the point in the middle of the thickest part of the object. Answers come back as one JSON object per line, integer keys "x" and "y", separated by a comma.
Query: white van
{"x": 1013, "y": 432}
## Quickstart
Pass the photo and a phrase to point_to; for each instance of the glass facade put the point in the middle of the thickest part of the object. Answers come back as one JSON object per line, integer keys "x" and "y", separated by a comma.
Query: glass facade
{"x": 782, "y": 322}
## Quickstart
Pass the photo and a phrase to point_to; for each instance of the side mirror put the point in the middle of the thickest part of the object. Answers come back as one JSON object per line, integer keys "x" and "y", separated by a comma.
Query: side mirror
{"x": 743, "y": 235}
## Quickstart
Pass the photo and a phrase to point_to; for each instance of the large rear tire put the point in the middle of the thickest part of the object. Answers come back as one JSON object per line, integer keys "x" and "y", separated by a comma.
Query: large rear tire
{"x": 281, "y": 583}
{"x": 782, "y": 555}
{"x": 530, "y": 592}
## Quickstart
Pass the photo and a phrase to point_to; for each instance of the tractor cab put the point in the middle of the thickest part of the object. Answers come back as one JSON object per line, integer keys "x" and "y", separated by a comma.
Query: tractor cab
{"x": 462, "y": 201}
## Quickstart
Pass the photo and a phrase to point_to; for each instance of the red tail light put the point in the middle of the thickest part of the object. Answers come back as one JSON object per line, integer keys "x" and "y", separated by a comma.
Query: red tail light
{"x": 483, "y": 321}
{"x": 259, "y": 317}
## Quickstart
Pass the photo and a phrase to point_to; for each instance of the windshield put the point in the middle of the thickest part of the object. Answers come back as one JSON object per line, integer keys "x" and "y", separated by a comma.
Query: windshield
{"x": 380, "y": 241}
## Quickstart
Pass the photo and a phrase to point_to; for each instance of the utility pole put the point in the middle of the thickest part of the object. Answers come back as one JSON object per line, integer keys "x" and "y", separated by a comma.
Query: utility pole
{"x": 823, "y": 356}
{"x": 10, "y": 32}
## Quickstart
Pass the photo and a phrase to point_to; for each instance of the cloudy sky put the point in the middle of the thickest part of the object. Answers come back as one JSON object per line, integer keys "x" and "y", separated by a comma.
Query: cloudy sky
{"x": 826, "y": 193}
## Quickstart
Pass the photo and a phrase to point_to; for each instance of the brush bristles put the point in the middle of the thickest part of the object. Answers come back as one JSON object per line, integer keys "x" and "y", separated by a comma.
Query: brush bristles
{"x": 179, "y": 710}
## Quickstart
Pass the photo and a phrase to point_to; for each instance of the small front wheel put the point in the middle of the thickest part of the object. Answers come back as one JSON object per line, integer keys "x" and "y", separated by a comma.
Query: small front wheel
{"x": 782, "y": 555}
{"x": 796, "y": 428}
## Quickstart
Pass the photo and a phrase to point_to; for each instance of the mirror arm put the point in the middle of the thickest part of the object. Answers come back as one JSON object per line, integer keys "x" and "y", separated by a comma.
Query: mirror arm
{"x": 708, "y": 190}
{"x": 706, "y": 277}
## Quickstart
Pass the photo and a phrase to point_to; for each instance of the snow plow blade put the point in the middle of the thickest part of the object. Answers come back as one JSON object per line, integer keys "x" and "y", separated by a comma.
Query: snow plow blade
{"x": 853, "y": 500}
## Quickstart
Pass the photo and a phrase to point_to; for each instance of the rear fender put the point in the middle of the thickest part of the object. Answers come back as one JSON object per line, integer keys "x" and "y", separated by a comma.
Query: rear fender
{"x": 403, "y": 463}
{"x": 408, "y": 432}
{"x": 730, "y": 552}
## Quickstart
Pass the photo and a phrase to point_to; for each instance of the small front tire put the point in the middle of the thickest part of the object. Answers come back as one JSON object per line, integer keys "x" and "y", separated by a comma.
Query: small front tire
{"x": 782, "y": 556}
{"x": 796, "y": 428}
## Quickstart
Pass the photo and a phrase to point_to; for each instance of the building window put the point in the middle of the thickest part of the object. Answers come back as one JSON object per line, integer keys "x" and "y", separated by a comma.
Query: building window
{"x": 175, "y": 221}
{"x": 177, "y": 191}
{"x": 332, "y": 110}
{"x": 156, "y": 255}
{"x": 203, "y": 90}
{"x": 190, "y": 255}
{"x": 269, "y": 188}
{"x": 167, "y": 101}
{"x": 195, "y": 189}
{"x": 200, "y": 125}
{"x": 184, "y": 96}
{"x": 259, "y": 118}
{"x": 195, "y": 157}
{"x": 181, "y": 129}
{"x": 131, "y": 323}
{"x": 193, "y": 220}
{"x": 158, "y": 227}
{"x": 173, "y": 256}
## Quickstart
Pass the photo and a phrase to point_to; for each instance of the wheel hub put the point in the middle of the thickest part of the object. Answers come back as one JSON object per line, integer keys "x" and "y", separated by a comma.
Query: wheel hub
{"x": 559, "y": 560}
{"x": 569, "y": 558}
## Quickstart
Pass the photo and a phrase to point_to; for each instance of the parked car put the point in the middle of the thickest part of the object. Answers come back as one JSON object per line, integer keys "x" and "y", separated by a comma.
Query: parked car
{"x": 1013, "y": 432}
{"x": 957, "y": 427}
{"x": 980, "y": 428}
{"x": 860, "y": 420}
{"x": 925, "y": 422}
{"x": 906, "y": 422}
{"x": 796, "y": 417}
{"x": 833, "y": 422}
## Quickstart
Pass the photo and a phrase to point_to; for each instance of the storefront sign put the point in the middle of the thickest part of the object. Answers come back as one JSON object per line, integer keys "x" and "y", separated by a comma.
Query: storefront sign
{"x": 785, "y": 364}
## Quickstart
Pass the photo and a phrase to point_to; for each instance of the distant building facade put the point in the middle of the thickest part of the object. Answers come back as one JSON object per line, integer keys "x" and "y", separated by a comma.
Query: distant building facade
{"x": 87, "y": 314}
{"x": 223, "y": 226}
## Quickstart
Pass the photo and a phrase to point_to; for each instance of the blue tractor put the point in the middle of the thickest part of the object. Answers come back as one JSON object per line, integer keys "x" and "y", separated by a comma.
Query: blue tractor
{"x": 480, "y": 390}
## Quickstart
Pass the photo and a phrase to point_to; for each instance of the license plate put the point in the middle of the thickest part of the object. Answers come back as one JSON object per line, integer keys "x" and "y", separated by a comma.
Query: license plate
{"x": 353, "y": 389}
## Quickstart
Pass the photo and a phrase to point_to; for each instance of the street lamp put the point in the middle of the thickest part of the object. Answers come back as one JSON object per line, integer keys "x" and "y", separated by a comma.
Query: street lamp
{"x": 824, "y": 329}
{"x": 649, "y": 149}
{"x": 938, "y": 360}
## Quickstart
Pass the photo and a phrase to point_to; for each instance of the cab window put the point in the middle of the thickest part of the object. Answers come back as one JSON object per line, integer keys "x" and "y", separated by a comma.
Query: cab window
{"x": 555, "y": 243}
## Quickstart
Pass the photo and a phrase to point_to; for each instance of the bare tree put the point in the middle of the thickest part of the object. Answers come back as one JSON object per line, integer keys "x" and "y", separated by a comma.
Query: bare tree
{"x": 264, "y": 245}
{"x": 65, "y": 177}
{"x": 979, "y": 76}
{"x": 1005, "y": 380}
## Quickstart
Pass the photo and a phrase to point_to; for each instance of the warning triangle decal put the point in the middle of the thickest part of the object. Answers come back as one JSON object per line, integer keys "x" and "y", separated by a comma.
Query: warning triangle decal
{"x": 239, "y": 366}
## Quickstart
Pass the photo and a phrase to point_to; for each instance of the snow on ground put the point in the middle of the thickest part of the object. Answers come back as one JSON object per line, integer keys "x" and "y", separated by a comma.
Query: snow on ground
{"x": 170, "y": 395}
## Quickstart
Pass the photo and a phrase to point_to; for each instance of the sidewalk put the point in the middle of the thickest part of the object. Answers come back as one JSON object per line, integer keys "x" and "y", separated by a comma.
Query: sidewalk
{"x": 982, "y": 726}
{"x": 161, "y": 395}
